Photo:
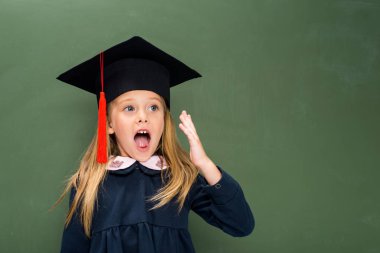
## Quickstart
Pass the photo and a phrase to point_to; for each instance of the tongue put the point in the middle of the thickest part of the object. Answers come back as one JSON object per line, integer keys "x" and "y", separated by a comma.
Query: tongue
{"x": 142, "y": 141}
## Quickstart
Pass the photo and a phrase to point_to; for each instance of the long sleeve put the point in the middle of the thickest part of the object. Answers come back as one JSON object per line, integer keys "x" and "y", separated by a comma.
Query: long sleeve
{"x": 222, "y": 205}
{"x": 74, "y": 239}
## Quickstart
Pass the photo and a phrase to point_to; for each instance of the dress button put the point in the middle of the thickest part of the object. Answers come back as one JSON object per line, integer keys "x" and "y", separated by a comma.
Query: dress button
{"x": 217, "y": 186}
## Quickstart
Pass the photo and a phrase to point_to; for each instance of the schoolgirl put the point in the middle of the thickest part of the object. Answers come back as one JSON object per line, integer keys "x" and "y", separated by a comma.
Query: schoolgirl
{"x": 135, "y": 185}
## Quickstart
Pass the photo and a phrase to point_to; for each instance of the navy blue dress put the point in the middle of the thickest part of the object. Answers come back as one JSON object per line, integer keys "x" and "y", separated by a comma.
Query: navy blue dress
{"x": 122, "y": 222}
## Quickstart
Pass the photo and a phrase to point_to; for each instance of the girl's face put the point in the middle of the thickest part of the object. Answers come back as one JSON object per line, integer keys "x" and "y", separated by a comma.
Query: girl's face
{"x": 137, "y": 119}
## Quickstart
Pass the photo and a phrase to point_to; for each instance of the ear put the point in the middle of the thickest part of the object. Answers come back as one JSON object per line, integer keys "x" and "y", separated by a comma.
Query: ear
{"x": 110, "y": 129}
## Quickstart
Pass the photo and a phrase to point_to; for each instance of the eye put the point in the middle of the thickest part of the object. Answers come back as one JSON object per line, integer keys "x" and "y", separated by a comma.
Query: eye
{"x": 153, "y": 107}
{"x": 129, "y": 108}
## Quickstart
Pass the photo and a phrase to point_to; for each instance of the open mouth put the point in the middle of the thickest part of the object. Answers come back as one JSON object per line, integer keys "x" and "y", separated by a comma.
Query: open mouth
{"x": 142, "y": 138}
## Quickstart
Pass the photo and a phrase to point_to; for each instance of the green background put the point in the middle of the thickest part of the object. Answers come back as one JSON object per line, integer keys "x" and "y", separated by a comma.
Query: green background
{"x": 288, "y": 104}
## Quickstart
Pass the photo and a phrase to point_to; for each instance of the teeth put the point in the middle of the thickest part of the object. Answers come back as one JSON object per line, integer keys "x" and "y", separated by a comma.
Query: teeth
{"x": 142, "y": 132}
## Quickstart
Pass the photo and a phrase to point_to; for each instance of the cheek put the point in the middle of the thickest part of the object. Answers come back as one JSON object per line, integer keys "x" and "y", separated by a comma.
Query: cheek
{"x": 161, "y": 129}
{"x": 161, "y": 124}
{"x": 122, "y": 127}
{"x": 158, "y": 124}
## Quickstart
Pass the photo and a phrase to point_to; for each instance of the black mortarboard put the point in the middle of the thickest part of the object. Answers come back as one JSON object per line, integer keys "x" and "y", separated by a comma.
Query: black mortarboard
{"x": 134, "y": 64}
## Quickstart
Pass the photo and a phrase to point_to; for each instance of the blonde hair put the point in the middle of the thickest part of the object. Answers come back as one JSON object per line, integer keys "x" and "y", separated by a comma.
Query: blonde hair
{"x": 180, "y": 174}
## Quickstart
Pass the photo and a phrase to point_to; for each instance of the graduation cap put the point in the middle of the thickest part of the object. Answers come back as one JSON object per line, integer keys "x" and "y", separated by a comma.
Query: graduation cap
{"x": 134, "y": 64}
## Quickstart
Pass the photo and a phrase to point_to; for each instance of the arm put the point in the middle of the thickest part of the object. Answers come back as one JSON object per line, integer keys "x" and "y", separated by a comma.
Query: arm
{"x": 215, "y": 195}
{"x": 74, "y": 239}
{"x": 222, "y": 205}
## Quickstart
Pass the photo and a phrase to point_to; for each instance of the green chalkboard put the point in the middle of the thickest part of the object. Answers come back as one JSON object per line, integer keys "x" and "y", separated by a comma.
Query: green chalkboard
{"x": 288, "y": 104}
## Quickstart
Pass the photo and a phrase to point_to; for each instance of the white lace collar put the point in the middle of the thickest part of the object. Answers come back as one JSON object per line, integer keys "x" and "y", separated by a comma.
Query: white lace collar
{"x": 122, "y": 162}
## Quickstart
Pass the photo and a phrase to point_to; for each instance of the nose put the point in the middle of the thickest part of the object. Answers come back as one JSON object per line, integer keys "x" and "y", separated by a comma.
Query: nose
{"x": 142, "y": 117}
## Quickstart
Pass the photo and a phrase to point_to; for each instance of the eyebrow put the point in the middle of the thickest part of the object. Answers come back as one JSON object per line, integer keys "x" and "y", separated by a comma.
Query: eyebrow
{"x": 129, "y": 99}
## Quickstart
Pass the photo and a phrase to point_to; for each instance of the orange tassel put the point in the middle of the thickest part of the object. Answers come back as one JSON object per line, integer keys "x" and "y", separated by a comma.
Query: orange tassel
{"x": 102, "y": 155}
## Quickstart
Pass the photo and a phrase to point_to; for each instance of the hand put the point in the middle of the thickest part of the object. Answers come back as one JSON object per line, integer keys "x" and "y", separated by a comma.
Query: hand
{"x": 197, "y": 153}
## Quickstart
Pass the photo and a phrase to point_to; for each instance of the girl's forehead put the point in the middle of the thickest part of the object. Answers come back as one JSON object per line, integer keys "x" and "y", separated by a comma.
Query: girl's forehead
{"x": 137, "y": 95}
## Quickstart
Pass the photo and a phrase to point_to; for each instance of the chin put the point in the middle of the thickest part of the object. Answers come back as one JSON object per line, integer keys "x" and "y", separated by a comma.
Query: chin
{"x": 142, "y": 156}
